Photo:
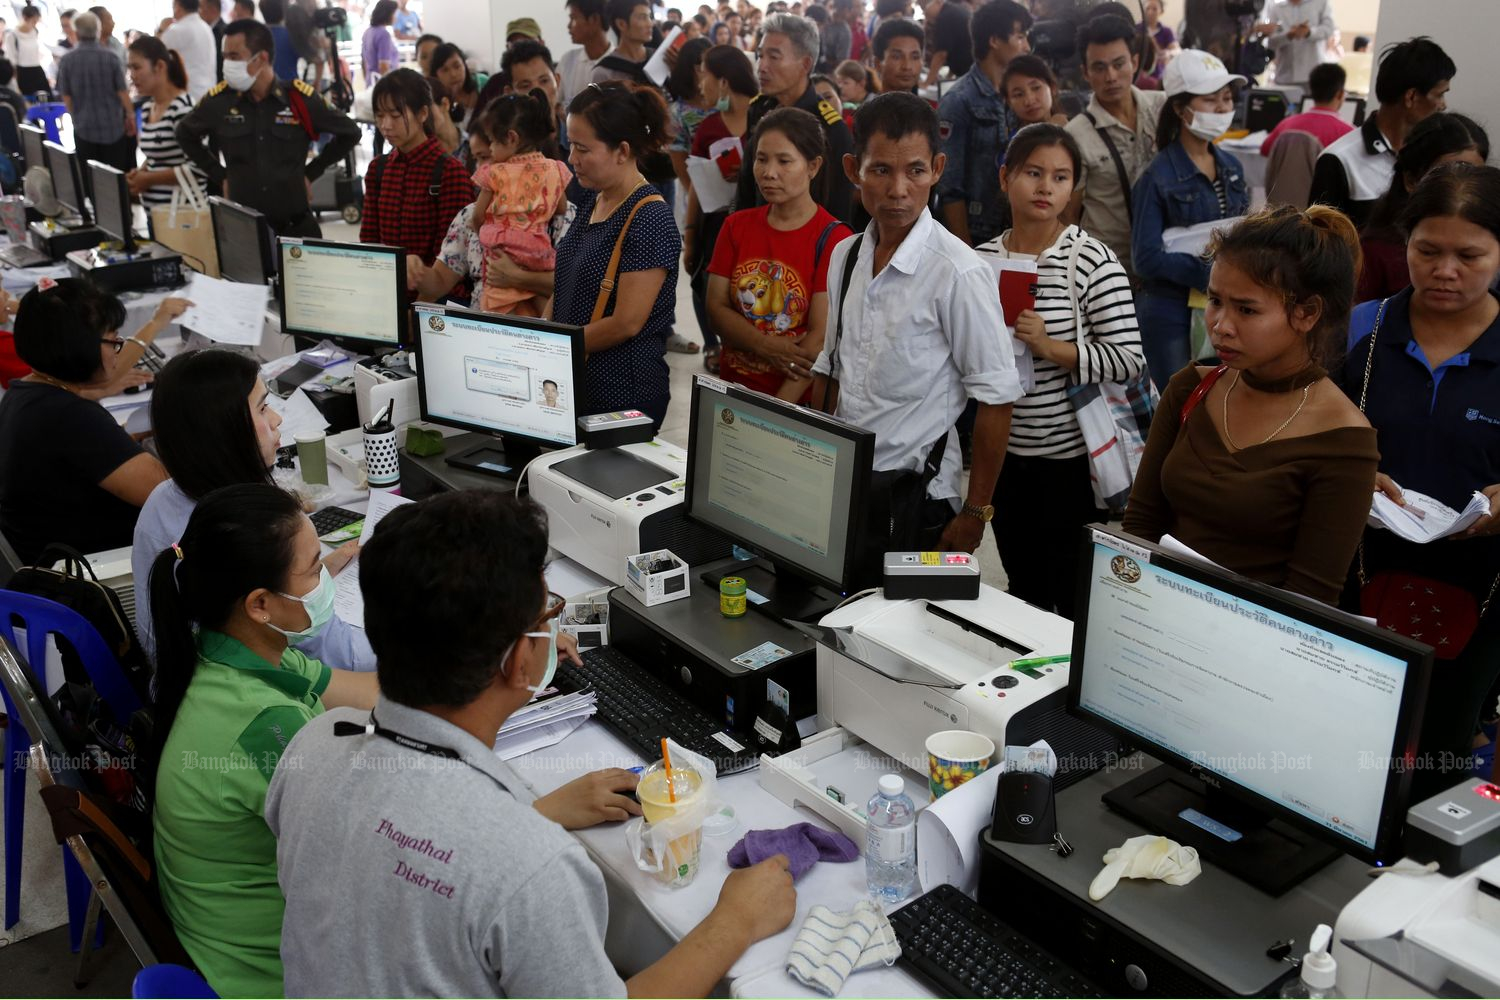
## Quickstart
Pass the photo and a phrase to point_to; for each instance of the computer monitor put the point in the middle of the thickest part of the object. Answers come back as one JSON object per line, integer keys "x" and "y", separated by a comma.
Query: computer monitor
{"x": 511, "y": 376}
{"x": 350, "y": 293}
{"x": 783, "y": 481}
{"x": 1351, "y": 111}
{"x": 245, "y": 242}
{"x": 112, "y": 203}
{"x": 67, "y": 180}
{"x": 1288, "y": 728}
{"x": 33, "y": 138}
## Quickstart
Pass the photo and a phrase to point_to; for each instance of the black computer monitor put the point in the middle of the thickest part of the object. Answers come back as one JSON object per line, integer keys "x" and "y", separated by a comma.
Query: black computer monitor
{"x": 67, "y": 180}
{"x": 511, "y": 376}
{"x": 112, "y": 203}
{"x": 351, "y": 293}
{"x": 786, "y": 482}
{"x": 245, "y": 241}
{"x": 1288, "y": 728}
{"x": 33, "y": 138}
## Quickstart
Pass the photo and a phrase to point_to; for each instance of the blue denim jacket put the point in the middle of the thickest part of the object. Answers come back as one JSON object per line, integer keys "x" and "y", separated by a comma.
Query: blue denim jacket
{"x": 974, "y": 125}
{"x": 1174, "y": 192}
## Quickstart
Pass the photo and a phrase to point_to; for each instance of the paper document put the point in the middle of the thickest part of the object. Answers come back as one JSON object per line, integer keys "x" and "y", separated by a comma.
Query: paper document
{"x": 714, "y": 192}
{"x": 298, "y": 416}
{"x": 1424, "y": 519}
{"x": 230, "y": 312}
{"x": 348, "y": 600}
{"x": 1194, "y": 239}
{"x": 545, "y": 721}
{"x": 656, "y": 67}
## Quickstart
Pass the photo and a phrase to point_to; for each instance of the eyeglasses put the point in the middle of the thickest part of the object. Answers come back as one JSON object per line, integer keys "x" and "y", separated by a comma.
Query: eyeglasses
{"x": 555, "y": 605}
{"x": 117, "y": 343}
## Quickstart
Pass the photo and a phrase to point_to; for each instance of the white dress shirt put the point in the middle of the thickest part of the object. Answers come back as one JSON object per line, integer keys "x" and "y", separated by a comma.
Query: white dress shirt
{"x": 918, "y": 341}
{"x": 193, "y": 40}
{"x": 1296, "y": 58}
{"x": 575, "y": 71}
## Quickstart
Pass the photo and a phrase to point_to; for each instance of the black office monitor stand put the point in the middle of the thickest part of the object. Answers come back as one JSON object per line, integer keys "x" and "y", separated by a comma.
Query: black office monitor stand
{"x": 501, "y": 456}
{"x": 788, "y": 596}
{"x": 1271, "y": 855}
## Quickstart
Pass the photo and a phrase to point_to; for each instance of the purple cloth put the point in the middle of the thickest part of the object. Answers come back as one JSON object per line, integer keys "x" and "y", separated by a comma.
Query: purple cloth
{"x": 378, "y": 46}
{"x": 804, "y": 845}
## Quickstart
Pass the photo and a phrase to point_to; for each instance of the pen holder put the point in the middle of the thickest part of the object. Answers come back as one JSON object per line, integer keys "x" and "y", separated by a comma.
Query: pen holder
{"x": 1024, "y": 809}
{"x": 382, "y": 465}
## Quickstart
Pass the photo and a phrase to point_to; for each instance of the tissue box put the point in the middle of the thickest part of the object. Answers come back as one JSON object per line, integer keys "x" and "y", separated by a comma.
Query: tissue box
{"x": 656, "y": 577}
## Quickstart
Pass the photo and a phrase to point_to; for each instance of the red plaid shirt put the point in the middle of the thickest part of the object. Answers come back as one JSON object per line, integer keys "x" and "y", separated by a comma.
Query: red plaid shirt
{"x": 400, "y": 209}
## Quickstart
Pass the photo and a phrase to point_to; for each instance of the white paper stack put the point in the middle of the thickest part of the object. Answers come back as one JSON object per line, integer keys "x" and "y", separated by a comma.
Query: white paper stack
{"x": 547, "y": 720}
{"x": 348, "y": 599}
{"x": 1424, "y": 519}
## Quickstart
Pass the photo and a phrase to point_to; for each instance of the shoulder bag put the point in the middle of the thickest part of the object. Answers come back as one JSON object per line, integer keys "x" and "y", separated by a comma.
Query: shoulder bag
{"x": 1440, "y": 614}
{"x": 612, "y": 270}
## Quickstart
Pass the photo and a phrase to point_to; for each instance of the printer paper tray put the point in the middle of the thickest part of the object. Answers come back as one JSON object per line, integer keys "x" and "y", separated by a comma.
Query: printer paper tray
{"x": 839, "y": 760}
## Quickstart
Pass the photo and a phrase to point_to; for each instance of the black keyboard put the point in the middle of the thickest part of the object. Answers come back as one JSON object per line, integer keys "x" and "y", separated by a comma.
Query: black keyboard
{"x": 331, "y": 519}
{"x": 963, "y": 950}
{"x": 642, "y": 708}
{"x": 21, "y": 255}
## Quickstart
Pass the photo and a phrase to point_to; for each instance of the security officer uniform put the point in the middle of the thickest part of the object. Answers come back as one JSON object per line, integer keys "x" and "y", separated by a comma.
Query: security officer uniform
{"x": 840, "y": 199}
{"x": 264, "y": 147}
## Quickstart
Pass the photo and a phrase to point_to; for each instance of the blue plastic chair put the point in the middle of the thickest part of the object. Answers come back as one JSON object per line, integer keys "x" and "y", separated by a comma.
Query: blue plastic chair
{"x": 170, "y": 981}
{"x": 50, "y": 114}
{"x": 41, "y": 618}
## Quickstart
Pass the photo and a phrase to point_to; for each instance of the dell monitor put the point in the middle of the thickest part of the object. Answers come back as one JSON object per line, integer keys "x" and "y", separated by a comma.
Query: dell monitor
{"x": 33, "y": 139}
{"x": 1287, "y": 727}
{"x": 351, "y": 293}
{"x": 245, "y": 242}
{"x": 510, "y": 376}
{"x": 783, "y": 481}
{"x": 67, "y": 180}
{"x": 112, "y": 210}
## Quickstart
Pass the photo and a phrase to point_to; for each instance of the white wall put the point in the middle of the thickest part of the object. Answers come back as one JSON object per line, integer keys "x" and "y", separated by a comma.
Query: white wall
{"x": 478, "y": 26}
{"x": 1466, "y": 29}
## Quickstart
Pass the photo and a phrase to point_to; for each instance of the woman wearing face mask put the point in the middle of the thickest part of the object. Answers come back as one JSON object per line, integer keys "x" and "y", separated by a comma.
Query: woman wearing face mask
{"x": 1190, "y": 181}
{"x": 232, "y": 601}
{"x": 215, "y": 427}
{"x": 729, "y": 78}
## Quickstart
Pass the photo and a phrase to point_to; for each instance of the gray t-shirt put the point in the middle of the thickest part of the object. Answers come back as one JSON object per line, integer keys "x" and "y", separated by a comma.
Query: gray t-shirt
{"x": 410, "y": 874}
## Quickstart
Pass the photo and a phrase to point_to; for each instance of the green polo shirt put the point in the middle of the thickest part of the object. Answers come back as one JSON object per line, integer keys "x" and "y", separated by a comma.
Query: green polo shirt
{"x": 215, "y": 856}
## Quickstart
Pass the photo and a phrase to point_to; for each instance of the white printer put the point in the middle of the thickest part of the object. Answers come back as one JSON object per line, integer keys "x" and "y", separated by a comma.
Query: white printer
{"x": 895, "y": 672}
{"x": 610, "y": 503}
{"x": 1422, "y": 934}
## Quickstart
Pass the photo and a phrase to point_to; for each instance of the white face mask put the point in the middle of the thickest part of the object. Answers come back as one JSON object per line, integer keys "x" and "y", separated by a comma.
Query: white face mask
{"x": 1207, "y": 125}
{"x": 237, "y": 74}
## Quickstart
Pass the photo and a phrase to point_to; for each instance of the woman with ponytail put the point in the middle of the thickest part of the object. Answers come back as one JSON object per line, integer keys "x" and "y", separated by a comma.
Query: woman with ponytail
{"x": 232, "y": 600}
{"x": 1262, "y": 464}
{"x": 158, "y": 75}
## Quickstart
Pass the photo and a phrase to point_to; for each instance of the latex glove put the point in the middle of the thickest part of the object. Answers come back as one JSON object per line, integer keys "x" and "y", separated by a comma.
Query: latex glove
{"x": 1146, "y": 857}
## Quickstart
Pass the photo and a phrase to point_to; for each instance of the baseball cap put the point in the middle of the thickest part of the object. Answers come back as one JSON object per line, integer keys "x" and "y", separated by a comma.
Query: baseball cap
{"x": 523, "y": 26}
{"x": 1196, "y": 72}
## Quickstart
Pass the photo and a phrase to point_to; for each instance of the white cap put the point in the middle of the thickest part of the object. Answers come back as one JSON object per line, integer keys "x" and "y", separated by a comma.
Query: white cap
{"x": 891, "y": 785}
{"x": 1196, "y": 72}
{"x": 1319, "y": 970}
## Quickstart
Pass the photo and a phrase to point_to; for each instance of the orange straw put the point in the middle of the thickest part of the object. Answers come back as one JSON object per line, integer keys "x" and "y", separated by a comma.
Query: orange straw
{"x": 666, "y": 759}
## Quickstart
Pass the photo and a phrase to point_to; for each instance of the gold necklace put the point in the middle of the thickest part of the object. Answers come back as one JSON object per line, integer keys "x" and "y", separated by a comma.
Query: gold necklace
{"x": 616, "y": 207}
{"x": 1229, "y": 438}
{"x": 49, "y": 380}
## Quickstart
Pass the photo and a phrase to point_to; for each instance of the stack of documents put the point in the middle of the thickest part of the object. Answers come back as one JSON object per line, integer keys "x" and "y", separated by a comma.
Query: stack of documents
{"x": 1424, "y": 519}
{"x": 549, "y": 719}
{"x": 348, "y": 599}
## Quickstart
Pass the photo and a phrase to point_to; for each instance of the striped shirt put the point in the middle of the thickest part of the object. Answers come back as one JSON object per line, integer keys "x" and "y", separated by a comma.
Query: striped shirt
{"x": 159, "y": 145}
{"x": 1043, "y": 423}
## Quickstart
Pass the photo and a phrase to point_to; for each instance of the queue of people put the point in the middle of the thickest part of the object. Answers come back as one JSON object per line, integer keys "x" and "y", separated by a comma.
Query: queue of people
{"x": 1311, "y": 356}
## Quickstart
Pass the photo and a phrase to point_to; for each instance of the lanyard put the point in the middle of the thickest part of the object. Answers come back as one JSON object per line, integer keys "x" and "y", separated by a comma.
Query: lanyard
{"x": 374, "y": 728}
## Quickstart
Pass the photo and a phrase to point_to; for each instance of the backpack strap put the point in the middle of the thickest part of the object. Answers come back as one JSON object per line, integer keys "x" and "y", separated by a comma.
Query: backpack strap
{"x": 607, "y": 286}
{"x": 435, "y": 189}
{"x": 823, "y": 238}
{"x": 1200, "y": 392}
{"x": 636, "y": 71}
{"x": 838, "y": 327}
{"x": 1114, "y": 154}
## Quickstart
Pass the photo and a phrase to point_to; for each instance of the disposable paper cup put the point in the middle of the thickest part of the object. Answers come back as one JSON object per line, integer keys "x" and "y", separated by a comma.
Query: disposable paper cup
{"x": 953, "y": 757}
{"x": 312, "y": 458}
{"x": 680, "y": 866}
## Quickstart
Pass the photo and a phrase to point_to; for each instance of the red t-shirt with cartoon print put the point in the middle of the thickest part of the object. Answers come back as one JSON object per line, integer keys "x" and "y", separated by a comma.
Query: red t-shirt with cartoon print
{"x": 773, "y": 275}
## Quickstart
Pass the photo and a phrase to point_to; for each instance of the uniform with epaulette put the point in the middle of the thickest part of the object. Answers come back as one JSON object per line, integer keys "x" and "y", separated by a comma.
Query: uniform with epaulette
{"x": 263, "y": 145}
{"x": 840, "y": 198}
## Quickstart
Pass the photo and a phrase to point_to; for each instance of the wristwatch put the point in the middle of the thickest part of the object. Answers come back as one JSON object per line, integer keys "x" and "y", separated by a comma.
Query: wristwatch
{"x": 985, "y": 513}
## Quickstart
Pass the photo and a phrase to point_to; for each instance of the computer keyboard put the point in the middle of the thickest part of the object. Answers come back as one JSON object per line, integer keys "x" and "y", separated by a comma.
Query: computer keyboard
{"x": 331, "y": 519}
{"x": 21, "y": 255}
{"x": 963, "y": 950}
{"x": 642, "y": 708}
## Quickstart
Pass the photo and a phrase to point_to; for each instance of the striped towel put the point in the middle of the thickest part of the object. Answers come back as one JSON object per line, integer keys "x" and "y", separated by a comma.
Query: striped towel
{"x": 830, "y": 946}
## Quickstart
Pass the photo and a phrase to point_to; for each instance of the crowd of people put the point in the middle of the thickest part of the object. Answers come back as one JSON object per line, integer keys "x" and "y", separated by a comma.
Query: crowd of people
{"x": 1341, "y": 340}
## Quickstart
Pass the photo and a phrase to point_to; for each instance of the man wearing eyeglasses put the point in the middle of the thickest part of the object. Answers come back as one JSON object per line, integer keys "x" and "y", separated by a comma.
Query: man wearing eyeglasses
{"x": 413, "y": 860}
{"x": 1116, "y": 133}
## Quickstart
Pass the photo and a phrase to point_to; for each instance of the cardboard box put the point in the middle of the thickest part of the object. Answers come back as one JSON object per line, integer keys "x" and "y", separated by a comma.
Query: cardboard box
{"x": 660, "y": 585}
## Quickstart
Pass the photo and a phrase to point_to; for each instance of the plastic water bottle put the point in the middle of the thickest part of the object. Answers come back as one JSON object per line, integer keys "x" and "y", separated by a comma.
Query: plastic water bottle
{"x": 891, "y": 842}
{"x": 1319, "y": 970}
